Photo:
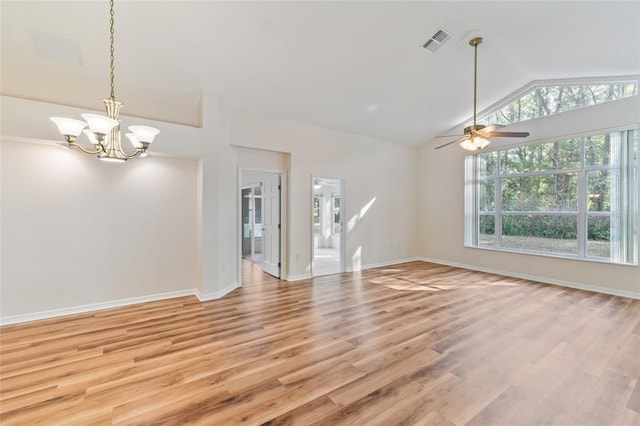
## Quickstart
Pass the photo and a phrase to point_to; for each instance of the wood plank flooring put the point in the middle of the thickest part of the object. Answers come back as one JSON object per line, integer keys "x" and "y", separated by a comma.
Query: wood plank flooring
{"x": 416, "y": 343}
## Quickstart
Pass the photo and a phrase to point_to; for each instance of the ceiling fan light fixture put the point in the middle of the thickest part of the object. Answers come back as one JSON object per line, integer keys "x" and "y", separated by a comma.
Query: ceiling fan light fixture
{"x": 480, "y": 142}
{"x": 468, "y": 145}
{"x": 475, "y": 136}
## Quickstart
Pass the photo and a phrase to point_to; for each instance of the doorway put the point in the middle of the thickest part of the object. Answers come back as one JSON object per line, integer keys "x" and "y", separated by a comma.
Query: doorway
{"x": 328, "y": 236}
{"x": 252, "y": 224}
{"x": 261, "y": 220}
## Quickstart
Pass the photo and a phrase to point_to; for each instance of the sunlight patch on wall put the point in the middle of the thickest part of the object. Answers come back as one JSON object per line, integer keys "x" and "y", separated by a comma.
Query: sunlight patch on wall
{"x": 356, "y": 259}
{"x": 357, "y": 217}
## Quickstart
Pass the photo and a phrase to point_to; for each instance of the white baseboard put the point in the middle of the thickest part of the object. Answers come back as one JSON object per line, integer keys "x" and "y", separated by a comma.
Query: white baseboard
{"x": 596, "y": 289}
{"x": 93, "y": 307}
{"x": 360, "y": 268}
{"x": 299, "y": 277}
{"x": 204, "y": 297}
{"x": 383, "y": 264}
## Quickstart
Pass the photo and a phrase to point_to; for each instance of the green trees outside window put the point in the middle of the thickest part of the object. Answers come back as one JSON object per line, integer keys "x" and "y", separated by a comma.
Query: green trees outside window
{"x": 548, "y": 100}
{"x": 574, "y": 197}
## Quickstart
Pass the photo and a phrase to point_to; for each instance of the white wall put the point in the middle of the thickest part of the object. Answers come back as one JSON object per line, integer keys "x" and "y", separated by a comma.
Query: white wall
{"x": 256, "y": 161}
{"x": 441, "y": 206}
{"x": 78, "y": 231}
{"x": 48, "y": 199}
{"x": 380, "y": 187}
{"x": 27, "y": 122}
{"x": 192, "y": 163}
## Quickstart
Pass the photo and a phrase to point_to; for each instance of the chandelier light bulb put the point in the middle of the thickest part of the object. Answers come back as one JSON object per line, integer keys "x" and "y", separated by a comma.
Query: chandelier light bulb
{"x": 100, "y": 124}
{"x": 144, "y": 134}
{"x": 69, "y": 126}
{"x": 92, "y": 137}
{"x": 134, "y": 141}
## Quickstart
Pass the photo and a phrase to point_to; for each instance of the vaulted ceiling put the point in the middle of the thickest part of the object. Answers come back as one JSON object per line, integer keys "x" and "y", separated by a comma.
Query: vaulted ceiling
{"x": 357, "y": 67}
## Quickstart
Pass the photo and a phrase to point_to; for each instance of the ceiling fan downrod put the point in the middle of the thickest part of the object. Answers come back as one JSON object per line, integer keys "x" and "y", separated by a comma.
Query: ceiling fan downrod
{"x": 475, "y": 42}
{"x": 476, "y": 136}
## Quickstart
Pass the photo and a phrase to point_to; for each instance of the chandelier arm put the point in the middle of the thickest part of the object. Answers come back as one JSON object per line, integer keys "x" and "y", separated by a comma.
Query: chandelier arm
{"x": 98, "y": 151}
{"x": 135, "y": 154}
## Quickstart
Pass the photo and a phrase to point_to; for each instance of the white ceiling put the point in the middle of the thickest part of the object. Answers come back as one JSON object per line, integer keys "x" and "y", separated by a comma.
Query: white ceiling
{"x": 353, "y": 66}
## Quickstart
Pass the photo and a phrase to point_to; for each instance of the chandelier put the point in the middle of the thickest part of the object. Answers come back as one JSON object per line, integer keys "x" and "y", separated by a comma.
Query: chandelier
{"x": 104, "y": 132}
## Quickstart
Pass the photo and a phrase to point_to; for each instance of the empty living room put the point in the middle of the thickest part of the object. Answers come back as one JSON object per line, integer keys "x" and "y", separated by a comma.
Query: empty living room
{"x": 320, "y": 213}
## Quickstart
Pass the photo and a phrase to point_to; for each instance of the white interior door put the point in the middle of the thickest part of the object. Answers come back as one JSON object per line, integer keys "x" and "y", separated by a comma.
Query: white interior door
{"x": 271, "y": 225}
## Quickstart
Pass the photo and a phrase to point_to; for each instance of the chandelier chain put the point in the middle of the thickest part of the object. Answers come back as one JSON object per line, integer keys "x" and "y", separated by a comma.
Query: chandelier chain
{"x": 104, "y": 132}
{"x": 111, "y": 39}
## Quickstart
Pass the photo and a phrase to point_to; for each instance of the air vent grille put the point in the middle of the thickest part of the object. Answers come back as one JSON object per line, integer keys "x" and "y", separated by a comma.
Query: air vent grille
{"x": 437, "y": 39}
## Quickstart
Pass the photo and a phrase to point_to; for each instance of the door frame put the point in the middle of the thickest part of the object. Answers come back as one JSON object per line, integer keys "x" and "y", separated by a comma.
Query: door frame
{"x": 343, "y": 234}
{"x": 283, "y": 218}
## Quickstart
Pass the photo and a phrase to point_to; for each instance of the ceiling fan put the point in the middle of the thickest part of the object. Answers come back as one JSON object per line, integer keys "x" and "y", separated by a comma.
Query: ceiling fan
{"x": 475, "y": 136}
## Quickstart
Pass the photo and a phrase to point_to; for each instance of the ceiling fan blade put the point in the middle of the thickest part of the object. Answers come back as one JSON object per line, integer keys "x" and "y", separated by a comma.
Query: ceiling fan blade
{"x": 491, "y": 128}
{"x": 449, "y": 143}
{"x": 449, "y": 136}
{"x": 506, "y": 134}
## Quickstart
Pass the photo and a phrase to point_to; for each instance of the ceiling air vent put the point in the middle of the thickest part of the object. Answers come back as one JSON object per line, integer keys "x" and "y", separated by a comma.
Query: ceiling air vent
{"x": 437, "y": 39}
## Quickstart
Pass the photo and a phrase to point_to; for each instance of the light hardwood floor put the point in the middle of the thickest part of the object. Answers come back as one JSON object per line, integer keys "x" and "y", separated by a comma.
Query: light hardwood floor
{"x": 416, "y": 343}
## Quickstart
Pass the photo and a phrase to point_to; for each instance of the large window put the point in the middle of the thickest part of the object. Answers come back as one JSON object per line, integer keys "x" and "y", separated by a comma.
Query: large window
{"x": 543, "y": 100}
{"x": 575, "y": 198}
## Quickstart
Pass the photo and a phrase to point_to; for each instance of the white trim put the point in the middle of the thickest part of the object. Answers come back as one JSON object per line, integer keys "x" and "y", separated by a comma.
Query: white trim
{"x": 555, "y": 138}
{"x": 204, "y": 297}
{"x": 360, "y": 268}
{"x": 596, "y": 289}
{"x": 299, "y": 277}
{"x": 383, "y": 264}
{"x": 94, "y": 307}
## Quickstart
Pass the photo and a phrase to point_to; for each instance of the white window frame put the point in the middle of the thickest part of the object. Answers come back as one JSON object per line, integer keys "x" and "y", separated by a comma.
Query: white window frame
{"x": 624, "y": 249}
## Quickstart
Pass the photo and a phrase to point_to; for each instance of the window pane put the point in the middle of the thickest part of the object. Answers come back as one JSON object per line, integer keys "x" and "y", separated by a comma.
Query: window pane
{"x": 258, "y": 209}
{"x": 599, "y": 236}
{"x": 564, "y": 154}
{"x": 548, "y": 100}
{"x": 487, "y": 195}
{"x": 558, "y": 192}
{"x": 599, "y": 191}
{"x": 487, "y": 230}
{"x": 336, "y": 215}
{"x": 522, "y": 159}
{"x": 541, "y": 157}
{"x": 316, "y": 214}
{"x": 488, "y": 163}
{"x": 554, "y": 234}
{"x": 597, "y": 150}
